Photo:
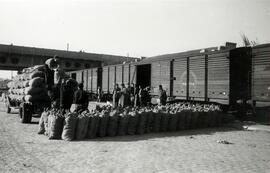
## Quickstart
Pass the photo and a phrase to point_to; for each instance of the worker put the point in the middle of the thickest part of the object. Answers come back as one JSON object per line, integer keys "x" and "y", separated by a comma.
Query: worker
{"x": 132, "y": 94}
{"x": 124, "y": 98}
{"x": 116, "y": 95}
{"x": 162, "y": 95}
{"x": 136, "y": 96}
{"x": 80, "y": 98}
{"x": 141, "y": 96}
{"x": 68, "y": 93}
{"x": 99, "y": 94}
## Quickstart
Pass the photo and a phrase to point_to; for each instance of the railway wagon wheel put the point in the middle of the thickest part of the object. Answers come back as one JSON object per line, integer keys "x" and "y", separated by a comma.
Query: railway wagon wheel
{"x": 25, "y": 113}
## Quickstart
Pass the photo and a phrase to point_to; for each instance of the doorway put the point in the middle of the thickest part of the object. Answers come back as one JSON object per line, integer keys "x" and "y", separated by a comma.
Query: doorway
{"x": 144, "y": 75}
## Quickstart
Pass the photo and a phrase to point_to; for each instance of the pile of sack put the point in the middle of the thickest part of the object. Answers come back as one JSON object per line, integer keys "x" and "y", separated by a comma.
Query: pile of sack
{"x": 106, "y": 121}
{"x": 29, "y": 86}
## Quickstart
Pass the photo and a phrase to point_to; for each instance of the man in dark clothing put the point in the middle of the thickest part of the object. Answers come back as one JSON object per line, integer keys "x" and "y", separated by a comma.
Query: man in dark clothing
{"x": 162, "y": 95}
{"x": 68, "y": 93}
{"x": 116, "y": 95}
{"x": 136, "y": 96}
{"x": 132, "y": 94}
{"x": 124, "y": 98}
{"x": 81, "y": 98}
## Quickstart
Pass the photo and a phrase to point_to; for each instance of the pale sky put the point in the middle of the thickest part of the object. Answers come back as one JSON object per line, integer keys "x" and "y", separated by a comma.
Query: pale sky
{"x": 135, "y": 27}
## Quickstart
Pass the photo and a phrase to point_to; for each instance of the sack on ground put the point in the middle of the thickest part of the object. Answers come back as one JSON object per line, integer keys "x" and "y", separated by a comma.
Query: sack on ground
{"x": 173, "y": 120}
{"x": 55, "y": 125}
{"x": 123, "y": 124}
{"x": 82, "y": 126}
{"x": 156, "y": 121}
{"x": 113, "y": 123}
{"x": 149, "y": 121}
{"x": 132, "y": 123}
{"x": 42, "y": 120}
{"x": 164, "y": 121}
{"x": 70, "y": 123}
{"x": 142, "y": 122}
{"x": 93, "y": 126}
{"x": 104, "y": 117}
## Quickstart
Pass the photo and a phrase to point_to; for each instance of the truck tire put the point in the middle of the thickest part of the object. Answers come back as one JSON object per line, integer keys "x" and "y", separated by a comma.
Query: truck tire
{"x": 25, "y": 113}
{"x": 8, "y": 109}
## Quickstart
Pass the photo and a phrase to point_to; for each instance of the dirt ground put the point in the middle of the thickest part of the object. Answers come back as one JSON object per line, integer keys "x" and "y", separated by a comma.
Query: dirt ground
{"x": 23, "y": 150}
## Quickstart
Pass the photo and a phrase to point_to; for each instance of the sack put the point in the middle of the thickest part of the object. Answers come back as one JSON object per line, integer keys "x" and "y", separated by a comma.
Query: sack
{"x": 36, "y": 82}
{"x": 70, "y": 123}
{"x": 75, "y": 107}
{"x": 173, "y": 120}
{"x": 194, "y": 119}
{"x": 37, "y": 74}
{"x": 113, "y": 123}
{"x": 55, "y": 125}
{"x": 42, "y": 120}
{"x": 188, "y": 118}
{"x": 52, "y": 64}
{"x": 93, "y": 126}
{"x": 164, "y": 122}
{"x": 181, "y": 120}
{"x": 123, "y": 124}
{"x": 200, "y": 119}
{"x": 26, "y": 83}
{"x": 82, "y": 126}
{"x": 156, "y": 122}
{"x": 132, "y": 123}
{"x": 219, "y": 117}
{"x": 149, "y": 121}
{"x": 141, "y": 122}
{"x": 103, "y": 122}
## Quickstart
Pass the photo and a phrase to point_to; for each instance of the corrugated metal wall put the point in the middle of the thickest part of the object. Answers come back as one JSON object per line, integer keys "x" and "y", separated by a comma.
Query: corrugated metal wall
{"x": 119, "y": 74}
{"x": 261, "y": 73}
{"x": 85, "y": 79}
{"x": 111, "y": 78}
{"x": 160, "y": 75}
{"x": 89, "y": 80}
{"x": 133, "y": 74}
{"x": 79, "y": 76}
{"x": 105, "y": 82}
{"x": 180, "y": 75}
{"x": 218, "y": 76}
{"x": 126, "y": 74}
{"x": 197, "y": 77}
{"x": 94, "y": 80}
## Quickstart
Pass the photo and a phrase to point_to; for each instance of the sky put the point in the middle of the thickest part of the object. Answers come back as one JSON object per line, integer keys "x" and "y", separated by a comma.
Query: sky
{"x": 132, "y": 27}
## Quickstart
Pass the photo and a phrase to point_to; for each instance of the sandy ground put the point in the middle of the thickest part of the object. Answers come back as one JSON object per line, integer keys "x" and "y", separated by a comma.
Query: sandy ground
{"x": 23, "y": 150}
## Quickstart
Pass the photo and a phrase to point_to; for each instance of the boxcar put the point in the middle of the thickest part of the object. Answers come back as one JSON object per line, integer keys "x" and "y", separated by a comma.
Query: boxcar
{"x": 224, "y": 76}
{"x": 261, "y": 74}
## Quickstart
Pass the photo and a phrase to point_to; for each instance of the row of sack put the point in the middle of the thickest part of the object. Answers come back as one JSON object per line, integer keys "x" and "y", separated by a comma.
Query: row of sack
{"x": 106, "y": 121}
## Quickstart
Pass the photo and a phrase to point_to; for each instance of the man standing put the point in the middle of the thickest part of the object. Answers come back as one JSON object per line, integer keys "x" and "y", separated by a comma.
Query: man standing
{"x": 162, "y": 95}
{"x": 116, "y": 95}
{"x": 81, "y": 98}
{"x": 124, "y": 99}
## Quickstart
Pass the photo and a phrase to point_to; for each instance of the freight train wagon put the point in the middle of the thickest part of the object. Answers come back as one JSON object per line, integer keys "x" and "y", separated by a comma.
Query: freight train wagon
{"x": 224, "y": 76}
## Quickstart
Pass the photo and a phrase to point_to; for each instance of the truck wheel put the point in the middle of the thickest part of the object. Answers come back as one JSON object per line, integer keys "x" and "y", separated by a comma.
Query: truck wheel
{"x": 8, "y": 109}
{"x": 25, "y": 113}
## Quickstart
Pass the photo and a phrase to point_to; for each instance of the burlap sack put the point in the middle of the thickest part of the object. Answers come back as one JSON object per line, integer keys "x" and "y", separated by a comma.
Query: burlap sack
{"x": 69, "y": 129}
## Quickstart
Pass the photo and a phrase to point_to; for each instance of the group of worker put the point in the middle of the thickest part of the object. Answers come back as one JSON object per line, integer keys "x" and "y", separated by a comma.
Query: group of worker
{"x": 135, "y": 95}
{"x": 132, "y": 95}
{"x": 63, "y": 92}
